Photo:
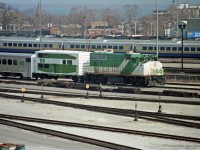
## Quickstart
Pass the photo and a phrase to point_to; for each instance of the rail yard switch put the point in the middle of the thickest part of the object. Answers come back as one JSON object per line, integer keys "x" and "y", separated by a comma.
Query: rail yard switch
{"x": 23, "y": 90}
{"x": 160, "y": 108}
{"x": 87, "y": 94}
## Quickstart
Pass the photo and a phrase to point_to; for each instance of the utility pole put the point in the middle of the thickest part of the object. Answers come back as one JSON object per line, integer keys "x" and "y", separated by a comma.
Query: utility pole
{"x": 157, "y": 28}
{"x": 85, "y": 27}
{"x": 40, "y": 25}
{"x": 151, "y": 27}
{"x": 177, "y": 29}
{"x": 122, "y": 27}
{"x": 136, "y": 26}
{"x": 182, "y": 27}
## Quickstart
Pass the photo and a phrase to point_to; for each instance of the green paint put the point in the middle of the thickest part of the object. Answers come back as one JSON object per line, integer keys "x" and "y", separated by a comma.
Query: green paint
{"x": 56, "y": 69}
{"x": 112, "y": 60}
{"x": 130, "y": 67}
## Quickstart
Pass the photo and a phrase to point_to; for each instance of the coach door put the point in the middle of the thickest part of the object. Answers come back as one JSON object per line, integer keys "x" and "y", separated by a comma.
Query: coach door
{"x": 54, "y": 71}
{"x": 27, "y": 67}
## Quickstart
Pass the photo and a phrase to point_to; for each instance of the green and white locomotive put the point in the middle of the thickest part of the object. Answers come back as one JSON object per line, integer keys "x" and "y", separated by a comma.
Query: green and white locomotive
{"x": 98, "y": 67}
{"x": 129, "y": 68}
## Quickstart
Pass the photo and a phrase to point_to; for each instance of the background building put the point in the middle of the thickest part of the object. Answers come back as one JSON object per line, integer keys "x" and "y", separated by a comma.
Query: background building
{"x": 193, "y": 28}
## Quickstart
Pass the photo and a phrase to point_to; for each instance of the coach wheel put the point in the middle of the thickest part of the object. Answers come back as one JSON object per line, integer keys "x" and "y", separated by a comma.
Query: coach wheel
{"x": 21, "y": 76}
{"x": 41, "y": 77}
{"x": 36, "y": 77}
{"x": 75, "y": 79}
{"x": 55, "y": 78}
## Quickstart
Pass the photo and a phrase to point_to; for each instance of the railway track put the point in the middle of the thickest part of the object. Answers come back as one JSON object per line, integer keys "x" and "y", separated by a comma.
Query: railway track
{"x": 69, "y": 83}
{"x": 82, "y": 93}
{"x": 66, "y": 135}
{"x": 153, "y": 116}
{"x": 109, "y": 129}
{"x": 168, "y": 90}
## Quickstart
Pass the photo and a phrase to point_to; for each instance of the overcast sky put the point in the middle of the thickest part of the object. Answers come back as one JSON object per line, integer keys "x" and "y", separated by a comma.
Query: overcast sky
{"x": 63, "y": 6}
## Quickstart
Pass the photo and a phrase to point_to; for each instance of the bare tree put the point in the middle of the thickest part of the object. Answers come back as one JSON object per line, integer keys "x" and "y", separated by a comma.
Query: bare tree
{"x": 5, "y": 15}
{"x": 112, "y": 16}
{"x": 131, "y": 12}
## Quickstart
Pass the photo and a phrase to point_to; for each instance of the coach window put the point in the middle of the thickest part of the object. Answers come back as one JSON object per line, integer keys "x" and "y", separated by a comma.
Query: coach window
{"x": 0, "y": 61}
{"x": 115, "y": 47}
{"x": 71, "y": 46}
{"x": 168, "y": 48}
{"x": 40, "y": 55}
{"x": 50, "y": 45}
{"x": 9, "y": 61}
{"x": 179, "y": 48}
{"x": 45, "y": 45}
{"x": 19, "y": 44}
{"x": 104, "y": 46}
{"x": 120, "y": 47}
{"x": 69, "y": 62}
{"x": 64, "y": 62}
{"x": 174, "y": 48}
{"x": 30, "y": 45}
{"x": 198, "y": 48}
{"x": 25, "y": 45}
{"x": 28, "y": 60}
{"x": 5, "y": 44}
{"x": 45, "y": 55}
{"x": 35, "y": 45}
{"x": 40, "y": 65}
{"x": 150, "y": 48}
{"x": 93, "y": 46}
{"x": 83, "y": 46}
{"x": 60, "y": 46}
{"x": 98, "y": 46}
{"x": 9, "y": 44}
{"x": 192, "y": 49}
{"x": 15, "y": 62}
{"x": 186, "y": 48}
{"x": 46, "y": 65}
{"x": 110, "y": 47}
{"x": 4, "y": 61}
{"x": 77, "y": 46}
{"x": 15, "y": 44}
{"x": 162, "y": 48}
{"x": 144, "y": 48}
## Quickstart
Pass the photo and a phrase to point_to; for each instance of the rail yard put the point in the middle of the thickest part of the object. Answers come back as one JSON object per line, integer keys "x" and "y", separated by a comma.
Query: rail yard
{"x": 102, "y": 114}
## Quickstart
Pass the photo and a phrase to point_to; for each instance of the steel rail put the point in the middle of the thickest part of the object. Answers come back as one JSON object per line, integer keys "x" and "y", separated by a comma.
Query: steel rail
{"x": 115, "y": 111}
{"x": 110, "y": 129}
{"x": 112, "y": 97}
{"x": 66, "y": 135}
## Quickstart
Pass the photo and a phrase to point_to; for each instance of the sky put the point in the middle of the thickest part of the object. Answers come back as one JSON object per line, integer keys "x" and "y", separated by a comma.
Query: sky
{"x": 64, "y": 6}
